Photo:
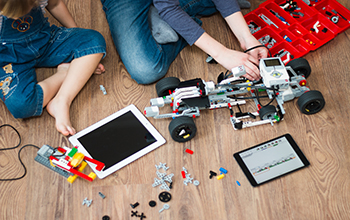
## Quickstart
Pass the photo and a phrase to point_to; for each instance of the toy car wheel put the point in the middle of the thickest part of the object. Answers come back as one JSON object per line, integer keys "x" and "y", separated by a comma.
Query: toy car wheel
{"x": 182, "y": 129}
{"x": 300, "y": 66}
{"x": 267, "y": 112}
{"x": 166, "y": 84}
{"x": 311, "y": 102}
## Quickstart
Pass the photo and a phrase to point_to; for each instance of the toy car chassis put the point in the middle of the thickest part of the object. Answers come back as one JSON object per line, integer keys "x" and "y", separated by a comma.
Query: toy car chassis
{"x": 279, "y": 82}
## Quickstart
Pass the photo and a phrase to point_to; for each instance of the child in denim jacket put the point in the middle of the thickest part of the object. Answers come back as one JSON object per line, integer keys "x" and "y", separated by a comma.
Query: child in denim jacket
{"x": 27, "y": 41}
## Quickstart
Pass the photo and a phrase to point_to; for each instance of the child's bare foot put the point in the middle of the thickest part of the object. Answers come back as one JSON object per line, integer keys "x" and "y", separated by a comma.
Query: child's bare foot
{"x": 60, "y": 111}
{"x": 100, "y": 69}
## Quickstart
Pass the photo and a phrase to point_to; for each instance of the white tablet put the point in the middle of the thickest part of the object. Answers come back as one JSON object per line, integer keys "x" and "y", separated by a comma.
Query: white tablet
{"x": 118, "y": 140}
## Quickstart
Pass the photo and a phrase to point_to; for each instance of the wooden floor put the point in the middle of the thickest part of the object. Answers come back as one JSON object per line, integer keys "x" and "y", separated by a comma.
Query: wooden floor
{"x": 321, "y": 191}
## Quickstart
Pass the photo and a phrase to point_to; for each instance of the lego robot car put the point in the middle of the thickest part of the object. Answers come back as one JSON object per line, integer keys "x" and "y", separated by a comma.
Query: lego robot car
{"x": 279, "y": 82}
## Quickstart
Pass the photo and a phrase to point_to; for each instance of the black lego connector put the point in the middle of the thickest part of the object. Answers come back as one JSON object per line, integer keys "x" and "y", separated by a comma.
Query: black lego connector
{"x": 134, "y": 205}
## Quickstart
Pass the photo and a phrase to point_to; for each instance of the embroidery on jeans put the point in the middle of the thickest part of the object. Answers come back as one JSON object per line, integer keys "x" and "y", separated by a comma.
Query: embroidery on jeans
{"x": 22, "y": 24}
{"x": 4, "y": 85}
{"x": 8, "y": 68}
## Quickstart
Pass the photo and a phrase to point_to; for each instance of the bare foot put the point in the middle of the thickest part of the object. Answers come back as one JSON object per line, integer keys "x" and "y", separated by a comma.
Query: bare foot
{"x": 60, "y": 111}
{"x": 100, "y": 69}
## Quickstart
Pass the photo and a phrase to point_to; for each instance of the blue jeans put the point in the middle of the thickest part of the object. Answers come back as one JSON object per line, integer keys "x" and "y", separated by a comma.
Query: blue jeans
{"x": 30, "y": 42}
{"x": 145, "y": 59}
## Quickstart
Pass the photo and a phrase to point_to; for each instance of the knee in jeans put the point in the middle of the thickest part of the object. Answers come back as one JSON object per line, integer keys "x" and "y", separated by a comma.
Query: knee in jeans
{"x": 147, "y": 72}
{"x": 95, "y": 38}
{"x": 22, "y": 108}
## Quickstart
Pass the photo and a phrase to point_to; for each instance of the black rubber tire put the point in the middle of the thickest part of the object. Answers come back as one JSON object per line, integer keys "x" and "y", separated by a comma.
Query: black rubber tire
{"x": 182, "y": 124}
{"x": 267, "y": 111}
{"x": 300, "y": 66}
{"x": 164, "y": 85}
{"x": 311, "y": 102}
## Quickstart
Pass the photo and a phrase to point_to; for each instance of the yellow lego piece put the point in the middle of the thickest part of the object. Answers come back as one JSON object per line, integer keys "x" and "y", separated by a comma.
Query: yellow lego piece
{"x": 92, "y": 175}
{"x": 71, "y": 179}
{"x": 186, "y": 136}
{"x": 220, "y": 176}
{"x": 77, "y": 159}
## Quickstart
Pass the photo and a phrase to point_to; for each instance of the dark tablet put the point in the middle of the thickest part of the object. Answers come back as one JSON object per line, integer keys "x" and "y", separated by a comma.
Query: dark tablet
{"x": 271, "y": 159}
{"x": 118, "y": 140}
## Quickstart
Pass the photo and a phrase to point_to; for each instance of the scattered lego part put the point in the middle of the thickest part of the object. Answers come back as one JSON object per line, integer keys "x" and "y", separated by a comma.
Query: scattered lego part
{"x": 212, "y": 173}
{"x": 220, "y": 176}
{"x": 142, "y": 216}
{"x": 101, "y": 194}
{"x": 87, "y": 202}
{"x": 210, "y": 60}
{"x": 188, "y": 179}
{"x": 222, "y": 170}
{"x": 166, "y": 206}
{"x": 163, "y": 178}
{"x": 102, "y": 88}
{"x": 134, "y": 205}
{"x": 189, "y": 151}
{"x": 168, "y": 178}
{"x": 171, "y": 185}
{"x": 106, "y": 217}
{"x": 183, "y": 174}
{"x": 162, "y": 165}
{"x": 152, "y": 203}
{"x": 238, "y": 183}
{"x": 164, "y": 196}
{"x": 134, "y": 213}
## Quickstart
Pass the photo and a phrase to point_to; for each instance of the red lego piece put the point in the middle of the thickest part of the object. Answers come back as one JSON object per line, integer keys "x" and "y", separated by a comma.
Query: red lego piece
{"x": 183, "y": 174}
{"x": 189, "y": 151}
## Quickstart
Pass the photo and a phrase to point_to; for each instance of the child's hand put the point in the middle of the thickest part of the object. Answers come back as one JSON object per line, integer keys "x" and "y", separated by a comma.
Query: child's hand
{"x": 231, "y": 58}
{"x": 259, "y": 52}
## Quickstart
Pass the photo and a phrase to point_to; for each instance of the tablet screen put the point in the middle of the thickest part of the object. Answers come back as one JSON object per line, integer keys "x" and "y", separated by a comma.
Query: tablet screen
{"x": 271, "y": 159}
{"x": 117, "y": 139}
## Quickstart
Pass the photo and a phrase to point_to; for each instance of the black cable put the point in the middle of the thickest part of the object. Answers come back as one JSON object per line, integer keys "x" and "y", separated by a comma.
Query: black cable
{"x": 257, "y": 97}
{"x": 19, "y": 153}
{"x": 19, "y": 136}
{"x": 252, "y": 48}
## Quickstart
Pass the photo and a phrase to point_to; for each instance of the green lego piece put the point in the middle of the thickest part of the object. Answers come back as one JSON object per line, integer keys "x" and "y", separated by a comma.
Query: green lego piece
{"x": 277, "y": 118}
{"x": 72, "y": 152}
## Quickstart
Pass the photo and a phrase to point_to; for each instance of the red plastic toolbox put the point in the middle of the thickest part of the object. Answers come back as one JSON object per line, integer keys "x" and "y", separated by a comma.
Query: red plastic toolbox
{"x": 292, "y": 28}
